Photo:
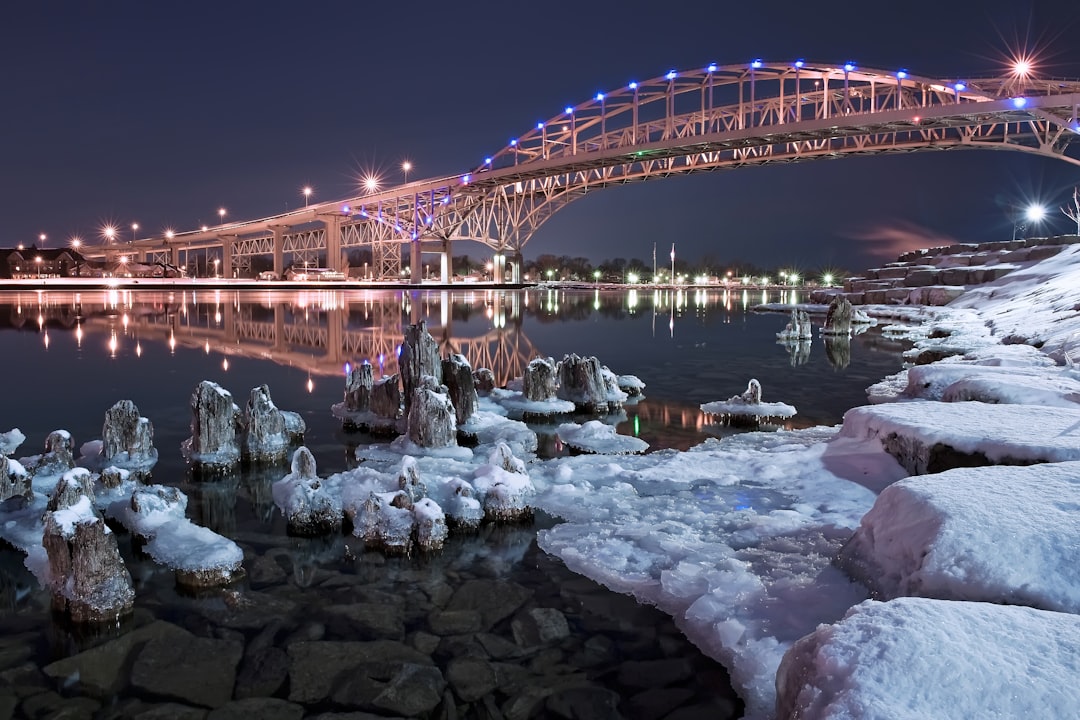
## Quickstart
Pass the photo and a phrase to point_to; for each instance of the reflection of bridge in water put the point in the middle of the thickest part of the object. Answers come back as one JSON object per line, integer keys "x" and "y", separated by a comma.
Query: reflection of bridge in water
{"x": 319, "y": 332}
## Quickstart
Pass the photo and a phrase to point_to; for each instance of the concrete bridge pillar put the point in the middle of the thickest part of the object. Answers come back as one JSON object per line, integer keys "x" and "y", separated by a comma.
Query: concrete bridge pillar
{"x": 333, "y": 241}
{"x": 446, "y": 267}
{"x": 498, "y": 268}
{"x": 279, "y": 250}
{"x": 518, "y": 261}
{"x": 226, "y": 256}
{"x": 416, "y": 263}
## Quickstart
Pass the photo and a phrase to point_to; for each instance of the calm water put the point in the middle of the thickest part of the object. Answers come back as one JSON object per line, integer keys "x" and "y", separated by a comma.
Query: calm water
{"x": 69, "y": 357}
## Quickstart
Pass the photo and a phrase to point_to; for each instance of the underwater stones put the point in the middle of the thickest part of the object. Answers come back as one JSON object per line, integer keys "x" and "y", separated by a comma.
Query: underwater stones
{"x": 419, "y": 358}
{"x": 484, "y": 380}
{"x": 266, "y": 435}
{"x": 458, "y": 379}
{"x": 308, "y": 508}
{"x": 87, "y": 577}
{"x": 214, "y": 419}
{"x": 540, "y": 381}
{"x": 839, "y": 317}
{"x": 358, "y": 386}
{"x": 432, "y": 421}
{"x": 581, "y": 381}
{"x": 798, "y": 328}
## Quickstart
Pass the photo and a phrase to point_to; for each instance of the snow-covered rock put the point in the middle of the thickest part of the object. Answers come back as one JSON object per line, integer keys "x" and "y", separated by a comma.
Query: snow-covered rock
{"x": 838, "y": 318}
{"x": 432, "y": 422}
{"x": 918, "y": 658}
{"x": 995, "y": 534}
{"x": 309, "y": 508}
{"x": 458, "y": 380}
{"x": 385, "y": 521}
{"x": 419, "y": 358}
{"x": 505, "y": 487}
{"x": 11, "y": 440}
{"x": 214, "y": 422}
{"x": 581, "y": 381}
{"x": 266, "y": 435}
{"x": 540, "y": 382}
{"x": 748, "y": 407}
{"x": 596, "y": 437}
{"x": 484, "y": 381}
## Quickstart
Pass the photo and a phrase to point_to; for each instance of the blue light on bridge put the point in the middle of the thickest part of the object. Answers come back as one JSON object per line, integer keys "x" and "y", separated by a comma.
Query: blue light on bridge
{"x": 363, "y": 213}
{"x": 632, "y": 86}
{"x": 539, "y": 126}
{"x": 711, "y": 68}
{"x": 464, "y": 181}
{"x": 414, "y": 235}
{"x": 345, "y": 209}
{"x": 756, "y": 64}
{"x": 599, "y": 97}
{"x": 671, "y": 75}
{"x": 960, "y": 87}
{"x": 799, "y": 63}
{"x": 1076, "y": 128}
{"x": 487, "y": 161}
{"x": 1019, "y": 102}
{"x": 398, "y": 228}
{"x": 513, "y": 142}
{"x": 848, "y": 67}
{"x": 568, "y": 110}
{"x": 901, "y": 74}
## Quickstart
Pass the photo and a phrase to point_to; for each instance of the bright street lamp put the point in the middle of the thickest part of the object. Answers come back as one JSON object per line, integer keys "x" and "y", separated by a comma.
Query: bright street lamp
{"x": 110, "y": 233}
{"x": 38, "y": 261}
{"x": 221, "y": 214}
{"x": 41, "y": 237}
{"x": 371, "y": 183}
{"x": 405, "y": 168}
{"x": 307, "y": 194}
{"x": 134, "y": 231}
{"x": 1033, "y": 215}
{"x": 217, "y": 261}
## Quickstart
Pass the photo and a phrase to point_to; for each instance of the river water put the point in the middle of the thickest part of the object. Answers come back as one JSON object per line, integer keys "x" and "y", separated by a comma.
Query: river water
{"x": 70, "y": 356}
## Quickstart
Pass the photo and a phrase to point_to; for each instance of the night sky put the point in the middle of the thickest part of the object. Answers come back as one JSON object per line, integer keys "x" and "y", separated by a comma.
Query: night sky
{"x": 160, "y": 113}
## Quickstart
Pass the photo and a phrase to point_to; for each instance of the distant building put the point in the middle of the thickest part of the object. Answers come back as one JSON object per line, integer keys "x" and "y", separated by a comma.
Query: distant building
{"x": 32, "y": 262}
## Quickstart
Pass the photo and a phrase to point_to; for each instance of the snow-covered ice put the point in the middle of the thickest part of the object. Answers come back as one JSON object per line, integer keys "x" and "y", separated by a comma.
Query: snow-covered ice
{"x": 596, "y": 437}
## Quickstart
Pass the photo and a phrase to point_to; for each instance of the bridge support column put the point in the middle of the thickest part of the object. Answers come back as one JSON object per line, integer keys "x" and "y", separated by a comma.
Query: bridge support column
{"x": 279, "y": 250}
{"x": 519, "y": 260}
{"x": 333, "y": 242}
{"x": 226, "y": 256}
{"x": 446, "y": 266}
{"x": 498, "y": 268}
{"x": 416, "y": 264}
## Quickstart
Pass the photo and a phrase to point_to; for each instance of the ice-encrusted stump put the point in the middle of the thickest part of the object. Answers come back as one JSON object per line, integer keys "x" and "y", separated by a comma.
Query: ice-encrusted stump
{"x": 747, "y": 408}
{"x": 127, "y": 440}
{"x": 582, "y": 383}
{"x": 385, "y": 521}
{"x": 14, "y": 480}
{"x": 11, "y": 440}
{"x": 458, "y": 379}
{"x": 358, "y": 387}
{"x": 839, "y": 317}
{"x": 198, "y": 556}
{"x": 928, "y": 437}
{"x": 484, "y": 380}
{"x": 919, "y": 658}
{"x": 463, "y": 510}
{"x": 798, "y": 328}
{"x": 386, "y": 397}
{"x": 214, "y": 421}
{"x": 540, "y": 381}
{"x": 632, "y": 385}
{"x": 419, "y": 358}
{"x": 596, "y": 437}
{"x": 432, "y": 422}
{"x": 266, "y": 435}
{"x": 72, "y": 485}
{"x": 409, "y": 480}
{"x": 431, "y": 528}
{"x": 58, "y": 457}
{"x": 505, "y": 486}
{"x": 1004, "y": 535}
{"x": 838, "y": 350}
{"x": 615, "y": 395}
{"x": 87, "y": 577}
{"x": 302, "y": 498}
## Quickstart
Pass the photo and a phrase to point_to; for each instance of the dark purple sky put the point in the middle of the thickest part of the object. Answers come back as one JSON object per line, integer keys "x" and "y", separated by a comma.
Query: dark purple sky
{"x": 162, "y": 112}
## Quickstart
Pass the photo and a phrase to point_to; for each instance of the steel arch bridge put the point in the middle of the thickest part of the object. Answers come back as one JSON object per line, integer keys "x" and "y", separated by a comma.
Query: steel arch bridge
{"x": 713, "y": 118}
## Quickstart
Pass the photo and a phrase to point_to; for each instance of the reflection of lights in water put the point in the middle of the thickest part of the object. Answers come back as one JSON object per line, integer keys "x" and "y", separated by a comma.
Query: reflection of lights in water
{"x": 46, "y": 339}
{"x": 124, "y": 321}
{"x": 78, "y": 335}
{"x": 348, "y": 369}
{"x": 310, "y": 384}
{"x": 632, "y": 300}
{"x": 764, "y": 297}
{"x": 172, "y": 343}
{"x": 138, "y": 349}
{"x": 217, "y": 317}
{"x": 40, "y": 321}
{"x": 225, "y": 364}
{"x": 112, "y": 345}
{"x": 206, "y": 347}
{"x": 671, "y": 323}
{"x": 637, "y": 426}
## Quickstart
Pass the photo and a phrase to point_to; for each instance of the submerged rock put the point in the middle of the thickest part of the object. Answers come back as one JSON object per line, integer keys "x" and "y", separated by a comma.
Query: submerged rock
{"x": 458, "y": 379}
{"x": 432, "y": 422}
{"x": 419, "y": 358}
{"x": 214, "y": 420}
{"x": 87, "y": 577}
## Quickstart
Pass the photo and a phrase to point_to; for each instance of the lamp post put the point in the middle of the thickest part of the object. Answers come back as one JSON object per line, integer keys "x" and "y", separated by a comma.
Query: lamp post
{"x": 1033, "y": 214}
{"x": 221, "y": 214}
{"x": 405, "y": 168}
{"x": 134, "y": 231}
{"x": 38, "y": 261}
{"x": 307, "y": 194}
{"x": 41, "y": 237}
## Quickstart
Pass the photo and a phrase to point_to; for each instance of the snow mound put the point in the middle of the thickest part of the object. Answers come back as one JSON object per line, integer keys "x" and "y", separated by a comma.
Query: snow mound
{"x": 917, "y": 658}
{"x": 596, "y": 437}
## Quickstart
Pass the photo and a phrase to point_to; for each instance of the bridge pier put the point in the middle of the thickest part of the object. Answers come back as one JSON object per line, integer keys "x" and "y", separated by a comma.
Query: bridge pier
{"x": 498, "y": 268}
{"x": 226, "y": 256}
{"x": 416, "y": 263}
{"x": 333, "y": 241}
{"x": 279, "y": 249}
{"x": 446, "y": 263}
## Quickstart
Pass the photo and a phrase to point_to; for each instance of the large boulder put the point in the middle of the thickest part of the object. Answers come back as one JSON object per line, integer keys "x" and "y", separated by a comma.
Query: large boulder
{"x": 14, "y": 480}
